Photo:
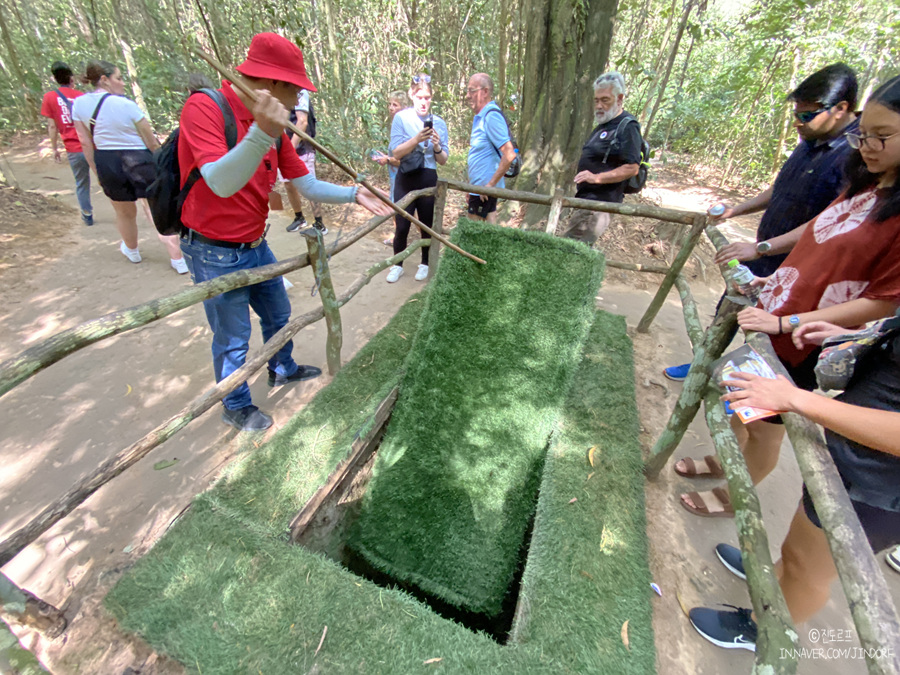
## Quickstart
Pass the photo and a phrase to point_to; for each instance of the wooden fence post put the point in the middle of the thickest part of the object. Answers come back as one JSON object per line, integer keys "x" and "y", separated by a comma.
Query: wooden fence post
{"x": 319, "y": 261}
{"x": 555, "y": 211}
{"x": 440, "y": 201}
{"x": 687, "y": 247}
{"x": 717, "y": 338}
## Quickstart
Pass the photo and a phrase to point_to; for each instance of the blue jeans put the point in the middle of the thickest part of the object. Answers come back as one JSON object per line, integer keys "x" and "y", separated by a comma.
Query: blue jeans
{"x": 229, "y": 313}
{"x": 82, "y": 180}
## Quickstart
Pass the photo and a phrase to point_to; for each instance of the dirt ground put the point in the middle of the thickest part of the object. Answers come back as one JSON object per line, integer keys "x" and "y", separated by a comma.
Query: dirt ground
{"x": 66, "y": 420}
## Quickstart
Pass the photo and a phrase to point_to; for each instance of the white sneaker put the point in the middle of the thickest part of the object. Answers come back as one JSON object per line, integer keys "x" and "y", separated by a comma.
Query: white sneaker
{"x": 179, "y": 265}
{"x": 132, "y": 254}
{"x": 422, "y": 273}
{"x": 394, "y": 273}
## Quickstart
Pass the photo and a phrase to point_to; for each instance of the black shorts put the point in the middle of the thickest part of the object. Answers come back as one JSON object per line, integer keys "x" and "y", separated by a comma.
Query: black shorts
{"x": 803, "y": 375}
{"x": 882, "y": 527}
{"x": 125, "y": 175}
{"x": 482, "y": 208}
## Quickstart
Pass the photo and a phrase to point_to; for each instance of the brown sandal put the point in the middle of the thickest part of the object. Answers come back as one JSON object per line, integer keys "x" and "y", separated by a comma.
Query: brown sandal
{"x": 701, "y": 509}
{"x": 715, "y": 469}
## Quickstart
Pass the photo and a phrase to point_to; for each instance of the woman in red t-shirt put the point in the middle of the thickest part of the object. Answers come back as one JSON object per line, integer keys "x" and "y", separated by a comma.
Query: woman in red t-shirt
{"x": 844, "y": 269}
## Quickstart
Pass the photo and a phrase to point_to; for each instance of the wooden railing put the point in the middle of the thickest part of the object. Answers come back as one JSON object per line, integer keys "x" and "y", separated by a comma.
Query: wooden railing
{"x": 871, "y": 607}
{"x": 23, "y": 366}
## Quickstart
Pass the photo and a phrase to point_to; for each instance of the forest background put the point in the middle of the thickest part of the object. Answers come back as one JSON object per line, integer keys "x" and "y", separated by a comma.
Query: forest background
{"x": 707, "y": 78}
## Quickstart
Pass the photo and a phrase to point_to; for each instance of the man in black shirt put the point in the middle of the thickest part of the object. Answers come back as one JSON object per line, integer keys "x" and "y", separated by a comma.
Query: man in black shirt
{"x": 611, "y": 155}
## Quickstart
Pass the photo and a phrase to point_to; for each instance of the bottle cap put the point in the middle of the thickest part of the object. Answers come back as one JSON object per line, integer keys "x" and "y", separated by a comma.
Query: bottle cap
{"x": 717, "y": 210}
{"x": 733, "y": 263}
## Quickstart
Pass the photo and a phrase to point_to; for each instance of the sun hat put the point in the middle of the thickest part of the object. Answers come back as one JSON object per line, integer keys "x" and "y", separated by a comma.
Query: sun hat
{"x": 272, "y": 57}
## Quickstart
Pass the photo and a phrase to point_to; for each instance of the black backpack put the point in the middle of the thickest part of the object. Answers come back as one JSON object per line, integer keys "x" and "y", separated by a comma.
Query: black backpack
{"x": 637, "y": 182}
{"x": 516, "y": 165}
{"x": 165, "y": 194}
{"x": 305, "y": 147}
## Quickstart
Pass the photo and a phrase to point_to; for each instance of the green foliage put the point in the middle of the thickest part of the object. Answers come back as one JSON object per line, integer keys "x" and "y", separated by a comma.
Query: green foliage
{"x": 455, "y": 480}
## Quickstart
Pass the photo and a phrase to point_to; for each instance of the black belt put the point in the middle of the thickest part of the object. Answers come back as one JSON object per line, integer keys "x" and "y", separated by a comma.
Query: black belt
{"x": 193, "y": 235}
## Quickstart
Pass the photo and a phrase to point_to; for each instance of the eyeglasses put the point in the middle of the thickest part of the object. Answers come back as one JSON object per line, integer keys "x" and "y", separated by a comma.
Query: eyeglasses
{"x": 472, "y": 91}
{"x": 871, "y": 141}
{"x": 417, "y": 79}
{"x": 809, "y": 115}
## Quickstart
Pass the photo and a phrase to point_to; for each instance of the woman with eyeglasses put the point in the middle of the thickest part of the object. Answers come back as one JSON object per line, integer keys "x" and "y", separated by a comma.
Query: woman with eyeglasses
{"x": 118, "y": 142}
{"x": 420, "y": 141}
{"x": 844, "y": 270}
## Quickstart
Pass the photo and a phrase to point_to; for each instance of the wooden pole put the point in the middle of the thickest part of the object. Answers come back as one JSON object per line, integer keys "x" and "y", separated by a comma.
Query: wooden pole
{"x": 355, "y": 175}
{"x": 716, "y": 339}
{"x": 19, "y": 368}
{"x": 874, "y": 614}
{"x": 639, "y": 210}
{"x": 19, "y": 606}
{"x": 777, "y": 638}
{"x": 52, "y": 514}
{"x": 691, "y": 314}
{"x": 440, "y": 203}
{"x": 555, "y": 211}
{"x": 636, "y": 267}
{"x": 687, "y": 247}
{"x": 335, "y": 338}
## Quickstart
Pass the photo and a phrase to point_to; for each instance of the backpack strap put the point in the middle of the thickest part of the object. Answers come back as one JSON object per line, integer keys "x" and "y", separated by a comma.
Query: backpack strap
{"x": 93, "y": 121}
{"x": 65, "y": 100}
{"x": 230, "y": 138}
{"x": 486, "y": 135}
{"x": 615, "y": 138}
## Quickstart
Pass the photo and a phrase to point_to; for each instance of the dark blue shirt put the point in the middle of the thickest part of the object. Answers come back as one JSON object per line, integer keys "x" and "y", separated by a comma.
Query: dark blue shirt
{"x": 811, "y": 178}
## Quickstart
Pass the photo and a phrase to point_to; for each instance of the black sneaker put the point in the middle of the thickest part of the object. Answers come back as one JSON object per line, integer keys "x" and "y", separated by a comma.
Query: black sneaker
{"x": 303, "y": 373}
{"x": 87, "y": 218}
{"x": 731, "y": 629}
{"x": 298, "y": 224}
{"x": 249, "y": 418}
{"x": 320, "y": 226}
{"x": 732, "y": 559}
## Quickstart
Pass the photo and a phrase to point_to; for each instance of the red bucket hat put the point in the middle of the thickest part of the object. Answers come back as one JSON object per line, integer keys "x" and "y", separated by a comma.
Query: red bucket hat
{"x": 272, "y": 57}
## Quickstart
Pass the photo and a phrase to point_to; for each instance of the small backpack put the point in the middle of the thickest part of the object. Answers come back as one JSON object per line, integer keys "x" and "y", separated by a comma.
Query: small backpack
{"x": 165, "y": 194}
{"x": 516, "y": 165}
{"x": 637, "y": 182}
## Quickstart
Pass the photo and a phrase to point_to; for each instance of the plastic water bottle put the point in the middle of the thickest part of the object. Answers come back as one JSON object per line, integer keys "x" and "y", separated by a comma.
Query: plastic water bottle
{"x": 742, "y": 276}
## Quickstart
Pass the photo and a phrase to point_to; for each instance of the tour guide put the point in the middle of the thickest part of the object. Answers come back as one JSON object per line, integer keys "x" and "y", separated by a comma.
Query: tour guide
{"x": 225, "y": 213}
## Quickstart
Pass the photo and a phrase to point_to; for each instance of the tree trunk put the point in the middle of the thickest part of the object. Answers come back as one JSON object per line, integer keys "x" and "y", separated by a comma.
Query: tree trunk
{"x": 502, "y": 55}
{"x": 634, "y": 40}
{"x": 664, "y": 80}
{"x": 679, "y": 90}
{"x": 30, "y": 107}
{"x": 209, "y": 31}
{"x": 338, "y": 94}
{"x": 787, "y": 119}
{"x": 567, "y": 45}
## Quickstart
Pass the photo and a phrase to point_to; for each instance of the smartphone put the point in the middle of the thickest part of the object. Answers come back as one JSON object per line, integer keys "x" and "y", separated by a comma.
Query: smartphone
{"x": 429, "y": 122}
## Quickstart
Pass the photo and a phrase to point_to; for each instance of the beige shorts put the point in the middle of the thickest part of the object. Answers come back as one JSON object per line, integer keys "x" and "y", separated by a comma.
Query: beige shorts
{"x": 310, "y": 160}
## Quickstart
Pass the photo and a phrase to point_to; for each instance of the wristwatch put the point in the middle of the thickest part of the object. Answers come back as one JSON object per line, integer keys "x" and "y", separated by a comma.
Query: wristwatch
{"x": 438, "y": 151}
{"x": 794, "y": 321}
{"x": 762, "y": 248}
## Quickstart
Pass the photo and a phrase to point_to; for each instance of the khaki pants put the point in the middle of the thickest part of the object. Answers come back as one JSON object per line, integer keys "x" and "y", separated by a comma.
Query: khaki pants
{"x": 586, "y": 226}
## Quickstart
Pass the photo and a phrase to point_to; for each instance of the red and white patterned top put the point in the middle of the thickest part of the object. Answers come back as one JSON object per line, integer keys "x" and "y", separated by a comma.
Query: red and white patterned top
{"x": 843, "y": 255}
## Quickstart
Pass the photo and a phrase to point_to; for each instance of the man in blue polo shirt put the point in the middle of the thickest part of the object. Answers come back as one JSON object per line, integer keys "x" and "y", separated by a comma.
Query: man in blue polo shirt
{"x": 491, "y": 149}
{"x": 811, "y": 178}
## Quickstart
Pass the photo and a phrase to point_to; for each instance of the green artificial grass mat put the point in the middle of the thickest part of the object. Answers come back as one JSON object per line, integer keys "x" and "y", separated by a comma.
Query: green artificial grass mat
{"x": 455, "y": 481}
{"x": 225, "y": 592}
{"x": 588, "y": 567}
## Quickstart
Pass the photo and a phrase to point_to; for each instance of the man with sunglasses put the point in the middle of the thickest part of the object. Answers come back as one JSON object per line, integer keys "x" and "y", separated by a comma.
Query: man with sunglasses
{"x": 811, "y": 178}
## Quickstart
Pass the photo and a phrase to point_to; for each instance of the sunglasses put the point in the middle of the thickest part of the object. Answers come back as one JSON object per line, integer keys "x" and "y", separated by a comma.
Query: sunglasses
{"x": 809, "y": 115}
{"x": 871, "y": 141}
{"x": 417, "y": 79}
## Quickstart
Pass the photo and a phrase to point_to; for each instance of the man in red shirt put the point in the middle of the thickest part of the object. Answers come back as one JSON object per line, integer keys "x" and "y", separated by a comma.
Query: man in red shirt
{"x": 225, "y": 213}
{"x": 57, "y": 106}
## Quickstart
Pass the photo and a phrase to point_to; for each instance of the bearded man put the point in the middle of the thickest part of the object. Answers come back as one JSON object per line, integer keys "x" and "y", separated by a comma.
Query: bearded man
{"x": 611, "y": 155}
